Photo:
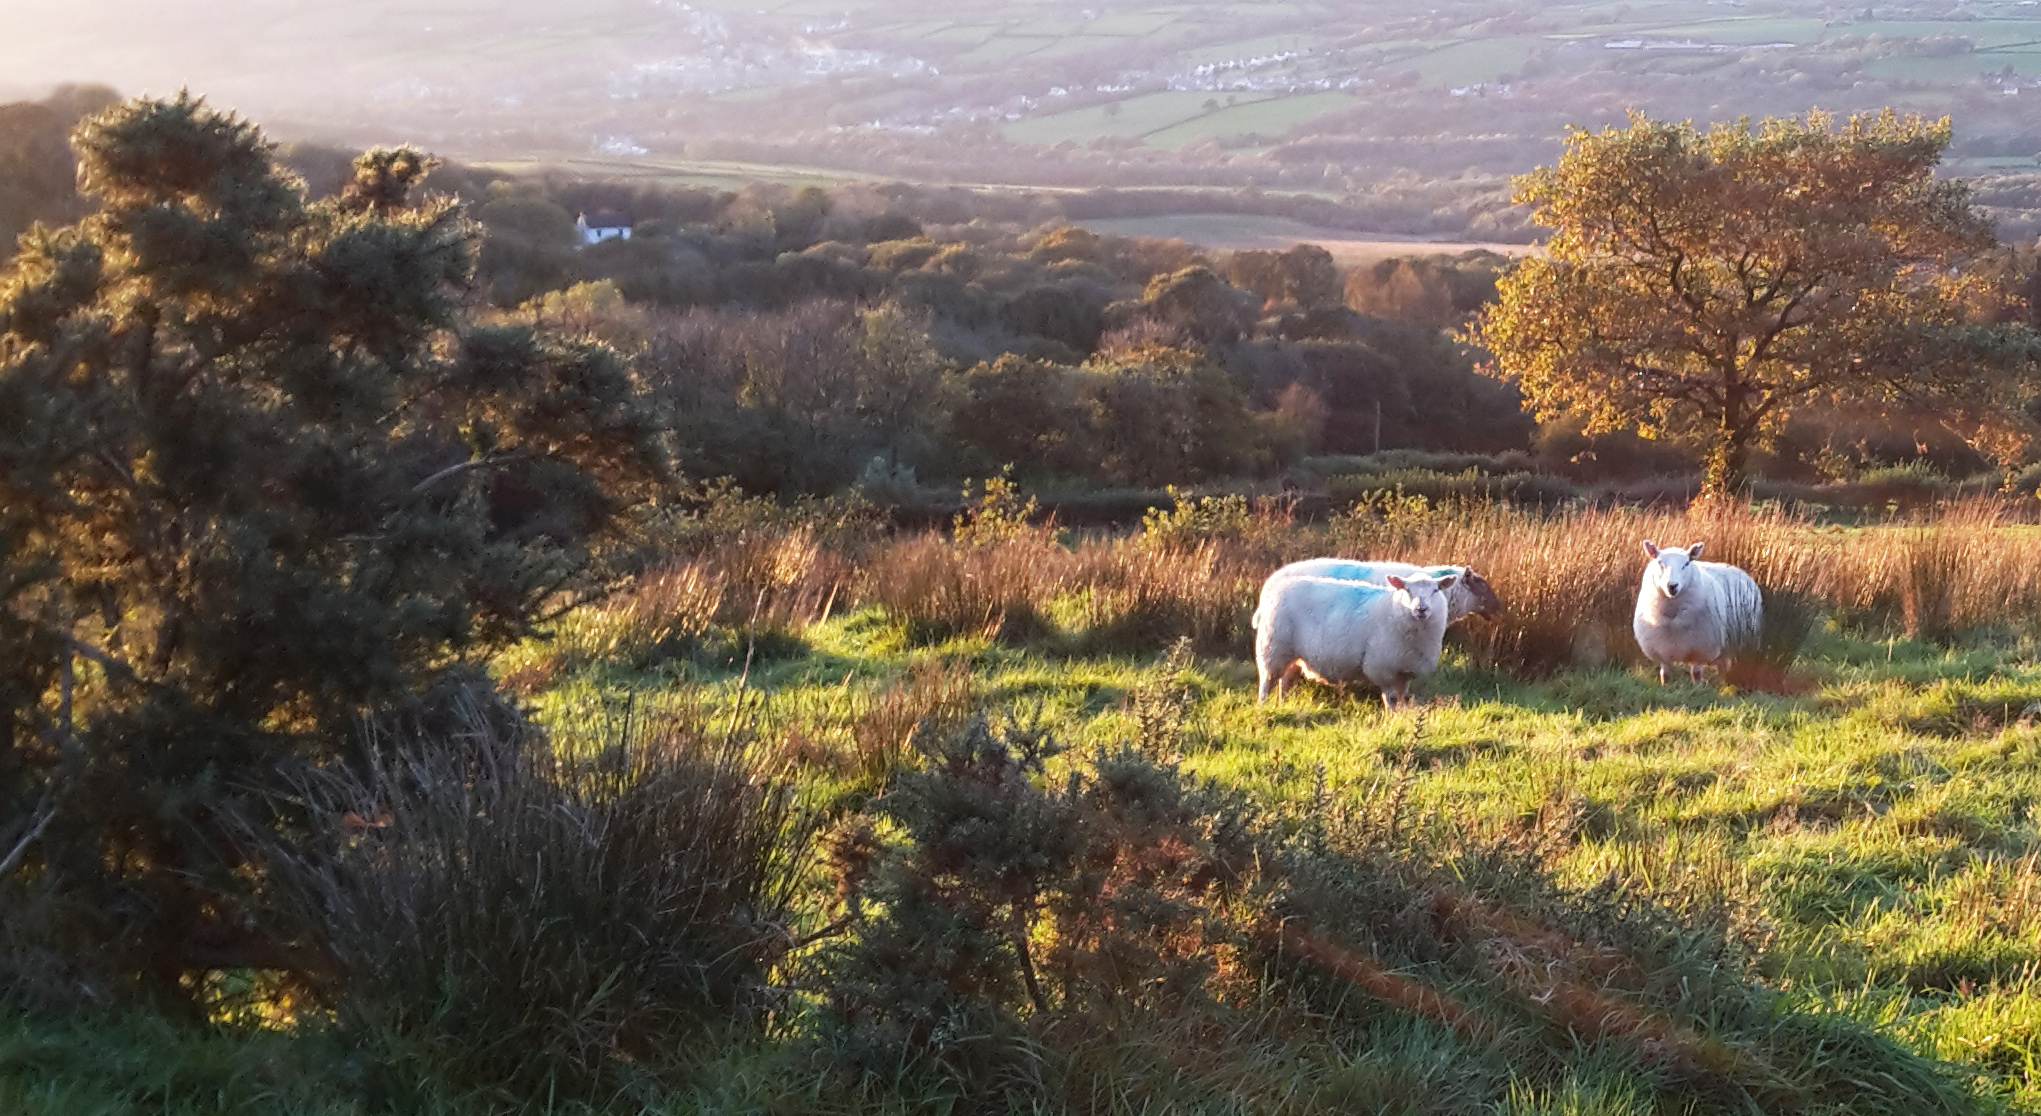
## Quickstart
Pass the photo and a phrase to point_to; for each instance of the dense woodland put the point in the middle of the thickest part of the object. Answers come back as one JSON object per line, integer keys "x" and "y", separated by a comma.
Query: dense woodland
{"x": 904, "y": 338}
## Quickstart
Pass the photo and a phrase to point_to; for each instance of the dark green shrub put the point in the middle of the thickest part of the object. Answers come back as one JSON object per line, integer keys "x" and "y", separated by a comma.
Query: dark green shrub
{"x": 258, "y": 477}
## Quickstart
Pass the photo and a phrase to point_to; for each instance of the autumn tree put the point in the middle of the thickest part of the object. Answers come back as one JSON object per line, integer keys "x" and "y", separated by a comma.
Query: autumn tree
{"x": 1702, "y": 286}
{"x": 258, "y": 480}
{"x": 1304, "y": 275}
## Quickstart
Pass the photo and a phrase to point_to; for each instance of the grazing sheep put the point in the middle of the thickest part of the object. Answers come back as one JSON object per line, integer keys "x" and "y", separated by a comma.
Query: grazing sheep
{"x": 1693, "y": 612}
{"x": 1332, "y": 630}
{"x": 1470, "y": 594}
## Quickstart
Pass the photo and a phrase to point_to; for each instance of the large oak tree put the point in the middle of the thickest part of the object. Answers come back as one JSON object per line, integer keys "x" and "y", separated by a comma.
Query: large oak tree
{"x": 1701, "y": 286}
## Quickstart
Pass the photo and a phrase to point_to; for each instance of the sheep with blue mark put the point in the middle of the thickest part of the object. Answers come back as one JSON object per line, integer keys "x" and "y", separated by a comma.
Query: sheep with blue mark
{"x": 1332, "y": 630}
{"x": 1470, "y": 594}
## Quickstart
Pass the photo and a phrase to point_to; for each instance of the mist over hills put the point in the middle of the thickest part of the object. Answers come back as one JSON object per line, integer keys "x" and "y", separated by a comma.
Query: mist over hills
{"x": 1338, "y": 101}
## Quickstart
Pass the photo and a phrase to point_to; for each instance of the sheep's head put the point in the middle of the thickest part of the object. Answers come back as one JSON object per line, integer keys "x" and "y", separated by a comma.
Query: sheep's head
{"x": 1486, "y": 603}
{"x": 1670, "y": 566}
{"x": 1421, "y": 595}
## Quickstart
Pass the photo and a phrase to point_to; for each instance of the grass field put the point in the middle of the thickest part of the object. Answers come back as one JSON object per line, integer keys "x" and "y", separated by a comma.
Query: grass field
{"x": 1228, "y": 232}
{"x": 1270, "y": 118}
{"x": 1819, "y": 896}
{"x": 1865, "y": 830}
{"x": 1958, "y": 67}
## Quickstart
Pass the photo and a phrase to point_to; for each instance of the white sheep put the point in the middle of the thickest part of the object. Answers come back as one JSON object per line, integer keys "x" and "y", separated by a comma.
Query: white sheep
{"x": 1694, "y": 612}
{"x": 1470, "y": 594}
{"x": 1332, "y": 630}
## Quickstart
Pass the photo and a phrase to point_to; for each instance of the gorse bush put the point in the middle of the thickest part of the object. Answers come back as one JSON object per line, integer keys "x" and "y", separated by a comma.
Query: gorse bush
{"x": 1197, "y": 519}
{"x": 259, "y": 477}
{"x": 1107, "y": 934}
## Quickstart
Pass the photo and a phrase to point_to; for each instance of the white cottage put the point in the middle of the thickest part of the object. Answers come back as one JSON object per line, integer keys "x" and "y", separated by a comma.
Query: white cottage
{"x": 601, "y": 227}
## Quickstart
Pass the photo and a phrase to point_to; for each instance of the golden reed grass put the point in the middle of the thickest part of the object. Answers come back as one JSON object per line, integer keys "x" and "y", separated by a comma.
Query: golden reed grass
{"x": 1567, "y": 580}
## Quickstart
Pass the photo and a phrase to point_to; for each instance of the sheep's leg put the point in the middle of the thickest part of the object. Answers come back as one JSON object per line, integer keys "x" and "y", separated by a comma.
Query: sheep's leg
{"x": 1288, "y": 678}
{"x": 1694, "y": 672}
{"x": 1661, "y": 674}
{"x": 1267, "y": 660}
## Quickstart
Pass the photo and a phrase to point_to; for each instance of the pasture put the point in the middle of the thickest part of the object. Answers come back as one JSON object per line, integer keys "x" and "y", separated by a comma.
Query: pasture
{"x": 1815, "y": 889}
{"x": 1862, "y": 823}
{"x": 1233, "y": 232}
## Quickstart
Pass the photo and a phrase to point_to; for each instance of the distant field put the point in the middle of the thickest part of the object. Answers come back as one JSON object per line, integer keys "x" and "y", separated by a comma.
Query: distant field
{"x": 515, "y": 77}
{"x": 1230, "y": 232}
{"x": 1270, "y": 118}
{"x": 1471, "y": 62}
{"x": 1744, "y": 30}
{"x": 1957, "y": 67}
{"x": 711, "y": 173}
{"x": 1131, "y": 119}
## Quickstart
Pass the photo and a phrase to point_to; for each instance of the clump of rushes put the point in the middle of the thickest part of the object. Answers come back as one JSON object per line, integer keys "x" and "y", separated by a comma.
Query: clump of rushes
{"x": 1567, "y": 580}
{"x": 508, "y": 923}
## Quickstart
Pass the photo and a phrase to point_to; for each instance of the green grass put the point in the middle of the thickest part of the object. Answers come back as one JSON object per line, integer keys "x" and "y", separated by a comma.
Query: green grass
{"x": 1134, "y": 118}
{"x": 141, "y": 1064}
{"x": 1744, "y": 30}
{"x": 1252, "y": 48}
{"x": 1956, "y": 67}
{"x": 1471, "y": 62}
{"x": 1983, "y": 32}
{"x": 1002, "y": 47}
{"x": 1873, "y": 839}
{"x": 1871, "y": 832}
{"x": 1270, "y": 118}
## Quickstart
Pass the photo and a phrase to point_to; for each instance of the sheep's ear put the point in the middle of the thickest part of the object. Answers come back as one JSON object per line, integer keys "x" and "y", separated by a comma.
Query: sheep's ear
{"x": 1395, "y": 582}
{"x": 1694, "y": 551}
{"x": 1651, "y": 548}
{"x": 1447, "y": 581}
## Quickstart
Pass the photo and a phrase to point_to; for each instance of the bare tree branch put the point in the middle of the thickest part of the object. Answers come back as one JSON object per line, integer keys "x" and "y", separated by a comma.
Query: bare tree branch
{"x": 46, "y": 810}
{"x": 486, "y": 461}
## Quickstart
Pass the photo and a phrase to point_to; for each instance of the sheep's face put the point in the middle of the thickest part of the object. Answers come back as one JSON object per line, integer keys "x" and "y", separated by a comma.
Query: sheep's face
{"x": 1486, "y": 603}
{"x": 1421, "y": 596}
{"x": 1671, "y": 567}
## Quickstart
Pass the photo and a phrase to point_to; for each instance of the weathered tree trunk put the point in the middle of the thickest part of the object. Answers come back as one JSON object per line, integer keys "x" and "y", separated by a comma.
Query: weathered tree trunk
{"x": 1728, "y": 467}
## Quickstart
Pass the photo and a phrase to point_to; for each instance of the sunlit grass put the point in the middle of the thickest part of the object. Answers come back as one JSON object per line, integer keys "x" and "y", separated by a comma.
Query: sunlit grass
{"x": 1872, "y": 833}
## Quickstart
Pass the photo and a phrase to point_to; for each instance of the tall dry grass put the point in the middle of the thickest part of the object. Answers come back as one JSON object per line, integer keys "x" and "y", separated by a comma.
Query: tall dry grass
{"x": 525, "y": 924}
{"x": 1567, "y": 580}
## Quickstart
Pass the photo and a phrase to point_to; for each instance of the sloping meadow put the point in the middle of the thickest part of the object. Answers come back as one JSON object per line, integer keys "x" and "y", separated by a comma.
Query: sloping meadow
{"x": 748, "y": 886}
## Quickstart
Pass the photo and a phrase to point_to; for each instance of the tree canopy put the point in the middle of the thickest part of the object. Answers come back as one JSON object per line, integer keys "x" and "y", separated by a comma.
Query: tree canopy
{"x": 1701, "y": 286}
{"x": 260, "y": 481}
